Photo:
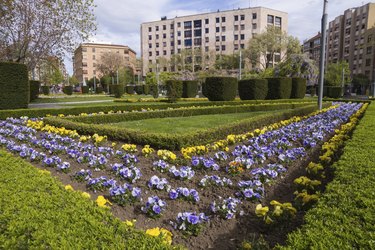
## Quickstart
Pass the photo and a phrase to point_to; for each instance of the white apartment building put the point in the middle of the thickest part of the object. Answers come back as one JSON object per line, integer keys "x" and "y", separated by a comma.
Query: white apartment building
{"x": 218, "y": 33}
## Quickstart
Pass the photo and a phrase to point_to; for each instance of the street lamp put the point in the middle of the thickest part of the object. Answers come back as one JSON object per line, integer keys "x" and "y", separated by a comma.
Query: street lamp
{"x": 322, "y": 54}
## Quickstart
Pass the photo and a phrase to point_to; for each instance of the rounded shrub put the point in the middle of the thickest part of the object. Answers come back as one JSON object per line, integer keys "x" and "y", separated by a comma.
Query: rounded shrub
{"x": 14, "y": 84}
{"x": 298, "y": 88}
{"x": 68, "y": 90}
{"x": 220, "y": 88}
{"x": 139, "y": 89}
{"x": 174, "y": 90}
{"x": 34, "y": 89}
{"x": 129, "y": 89}
{"x": 85, "y": 89}
{"x": 118, "y": 90}
{"x": 253, "y": 89}
{"x": 99, "y": 90}
{"x": 279, "y": 88}
{"x": 189, "y": 89}
{"x": 45, "y": 90}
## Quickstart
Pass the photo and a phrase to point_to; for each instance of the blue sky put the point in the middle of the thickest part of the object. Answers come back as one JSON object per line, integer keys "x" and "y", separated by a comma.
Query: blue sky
{"x": 119, "y": 20}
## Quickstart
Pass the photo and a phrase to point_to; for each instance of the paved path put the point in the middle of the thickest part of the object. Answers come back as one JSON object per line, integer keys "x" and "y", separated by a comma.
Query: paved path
{"x": 60, "y": 104}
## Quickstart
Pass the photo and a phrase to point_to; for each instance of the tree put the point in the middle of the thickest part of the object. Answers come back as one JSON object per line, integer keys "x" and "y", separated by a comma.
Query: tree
{"x": 263, "y": 48}
{"x": 334, "y": 74}
{"x": 73, "y": 80}
{"x": 126, "y": 75}
{"x": 360, "y": 83}
{"x": 32, "y": 30}
{"x": 110, "y": 63}
{"x": 228, "y": 62}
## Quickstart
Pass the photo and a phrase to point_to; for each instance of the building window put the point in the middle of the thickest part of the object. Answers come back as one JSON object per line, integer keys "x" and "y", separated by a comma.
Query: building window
{"x": 347, "y": 31}
{"x": 223, "y": 47}
{"x": 207, "y": 39}
{"x": 270, "y": 19}
{"x": 150, "y": 53}
{"x": 235, "y": 37}
{"x": 223, "y": 29}
{"x": 93, "y": 57}
{"x": 178, "y": 42}
{"x": 236, "y": 47}
{"x": 217, "y": 48}
{"x": 149, "y": 37}
{"x": 93, "y": 50}
{"x": 369, "y": 38}
{"x": 223, "y": 19}
{"x": 236, "y": 18}
{"x": 217, "y": 38}
{"x": 197, "y": 23}
{"x": 198, "y": 32}
{"x": 178, "y": 33}
{"x": 157, "y": 28}
{"x": 187, "y": 25}
{"x": 157, "y": 53}
{"x": 164, "y": 52}
{"x": 368, "y": 62}
{"x": 84, "y": 49}
{"x": 235, "y": 27}
{"x": 277, "y": 58}
{"x": 157, "y": 45}
{"x": 217, "y": 19}
{"x": 242, "y": 17}
{"x": 217, "y": 29}
{"x": 187, "y": 33}
{"x": 242, "y": 26}
{"x": 242, "y": 46}
{"x": 164, "y": 27}
{"x": 178, "y": 25}
{"x": 206, "y": 49}
{"x": 254, "y": 26}
{"x": 254, "y": 15}
{"x": 188, "y": 42}
{"x": 223, "y": 38}
{"x": 150, "y": 45}
{"x": 164, "y": 35}
{"x": 157, "y": 36}
{"x": 172, "y": 26}
{"x": 197, "y": 41}
{"x": 369, "y": 50}
{"x": 149, "y": 29}
{"x": 278, "y": 21}
{"x": 206, "y": 21}
{"x": 207, "y": 30}
{"x": 172, "y": 43}
{"x": 164, "y": 44}
{"x": 242, "y": 36}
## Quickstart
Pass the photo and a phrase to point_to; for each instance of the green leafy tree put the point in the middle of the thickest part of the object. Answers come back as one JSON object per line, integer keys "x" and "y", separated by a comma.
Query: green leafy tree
{"x": 73, "y": 80}
{"x": 228, "y": 62}
{"x": 110, "y": 63}
{"x": 335, "y": 72}
{"x": 126, "y": 75}
{"x": 264, "y": 48}
{"x": 32, "y": 30}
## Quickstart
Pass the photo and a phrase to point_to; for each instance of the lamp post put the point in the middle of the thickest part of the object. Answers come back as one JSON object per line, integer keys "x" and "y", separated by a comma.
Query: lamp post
{"x": 322, "y": 54}
{"x": 240, "y": 76}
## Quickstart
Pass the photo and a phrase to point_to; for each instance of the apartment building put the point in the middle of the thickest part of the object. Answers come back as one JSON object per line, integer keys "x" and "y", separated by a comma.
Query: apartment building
{"x": 197, "y": 36}
{"x": 350, "y": 37}
{"x": 311, "y": 47}
{"x": 87, "y": 56}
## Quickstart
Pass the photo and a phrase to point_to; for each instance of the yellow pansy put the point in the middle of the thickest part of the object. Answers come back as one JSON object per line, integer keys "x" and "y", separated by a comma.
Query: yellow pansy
{"x": 102, "y": 202}
{"x": 69, "y": 188}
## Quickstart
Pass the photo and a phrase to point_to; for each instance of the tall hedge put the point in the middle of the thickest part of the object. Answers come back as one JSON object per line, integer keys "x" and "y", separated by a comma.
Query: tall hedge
{"x": 118, "y": 90}
{"x": 174, "y": 89}
{"x": 14, "y": 85}
{"x": 139, "y": 89}
{"x": 189, "y": 89}
{"x": 253, "y": 89}
{"x": 220, "y": 88}
{"x": 146, "y": 89}
{"x": 99, "y": 90}
{"x": 129, "y": 89}
{"x": 85, "y": 89}
{"x": 332, "y": 91}
{"x": 298, "y": 88}
{"x": 279, "y": 88}
{"x": 68, "y": 90}
{"x": 154, "y": 90}
{"x": 34, "y": 89}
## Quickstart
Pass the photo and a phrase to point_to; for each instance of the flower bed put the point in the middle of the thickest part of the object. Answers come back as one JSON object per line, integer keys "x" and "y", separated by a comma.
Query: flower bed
{"x": 200, "y": 195}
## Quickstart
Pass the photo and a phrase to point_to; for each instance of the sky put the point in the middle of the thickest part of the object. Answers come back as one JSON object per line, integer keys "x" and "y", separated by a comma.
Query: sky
{"x": 119, "y": 20}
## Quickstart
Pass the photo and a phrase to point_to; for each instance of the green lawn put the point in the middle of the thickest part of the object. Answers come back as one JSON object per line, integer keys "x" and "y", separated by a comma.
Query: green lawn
{"x": 73, "y": 98}
{"x": 185, "y": 125}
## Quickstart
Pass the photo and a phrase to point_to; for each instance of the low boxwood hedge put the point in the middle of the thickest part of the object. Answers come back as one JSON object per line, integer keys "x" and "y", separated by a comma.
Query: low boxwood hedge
{"x": 34, "y": 90}
{"x": 279, "y": 88}
{"x": 175, "y": 141}
{"x": 99, "y": 90}
{"x": 36, "y": 212}
{"x": 68, "y": 90}
{"x": 344, "y": 216}
{"x": 253, "y": 89}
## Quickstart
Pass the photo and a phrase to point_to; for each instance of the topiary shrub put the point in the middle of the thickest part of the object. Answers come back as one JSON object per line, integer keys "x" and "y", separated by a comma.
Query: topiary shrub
{"x": 99, "y": 90}
{"x": 129, "y": 89}
{"x": 146, "y": 89}
{"x": 14, "y": 84}
{"x": 189, "y": 89}
{"x": 333, "y": 91}
{"x": 139, "y": 89}
{"x": 85, "y": 89}
{"x": 45, "y": 90}
{"x": 253, "y": 89}
{"x": 279, "y": 88}
{"x": 174, "y": 90}
{"x": 220, "y": 88}
{"x": 68, "y": 90}
{"x": 34, "y": 89}
{"x": 154, "y": 90}
{"x": 298, "y": 88}
{"x": 118, "y": 90}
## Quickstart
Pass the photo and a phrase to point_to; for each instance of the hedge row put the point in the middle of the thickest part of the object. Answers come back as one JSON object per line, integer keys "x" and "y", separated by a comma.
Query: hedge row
{"x": 123, "y": 106}
{"x": 190, "y": 89}
{"x": 133, "y": 116}
{"x": 34, "y": 89}
{"x": 175, "y": 141}
{"x": 14, "y": 85}
{"x": 344, "y": 217}
{"x": 174, "y": 89}
{"x": 68, "y": 90}
{"x": 38, "y": 213}
{"x": 220, "y": 88}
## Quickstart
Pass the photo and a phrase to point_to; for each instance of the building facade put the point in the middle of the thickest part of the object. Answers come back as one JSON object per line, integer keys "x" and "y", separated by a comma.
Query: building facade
{"x": 350, "y": 37}
{"x": 87, "y": 56}
{"x": 200, "y": 36}
{"x": 311, "y": 47}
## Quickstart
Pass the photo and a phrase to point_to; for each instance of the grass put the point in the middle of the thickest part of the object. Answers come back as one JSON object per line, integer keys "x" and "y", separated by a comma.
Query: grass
{"x": 185, "y": 125}
{"x": 74, "y": 98}
{"x": 36, "y": 212}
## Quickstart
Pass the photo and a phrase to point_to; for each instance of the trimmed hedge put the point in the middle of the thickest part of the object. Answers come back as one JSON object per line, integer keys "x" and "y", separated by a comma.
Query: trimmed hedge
{"x": 68, "y": 90}
{"x": 220, "y": 88}
{"x": 332, "y": 91}
{"x": 279, "y": 88}
{"x": 99, "y": 90}
{"x": 176, "y": 141}
{"x": 45, "y": 90}
{"x": 154, "y": 90}
{"x": 85, "y": 89}
{"x": 34, "y": 90}
{"x": 129, "y": 89}
{"x": 139, "y": 89}
{"x": 118, "y": 90}
{"x": 189, "y": 89}
{"x": 253, "y": 89}
{"x": 344, "y": 217}
{"x": 38, "y": 213}
{"x": 298, "y": 88}
{"x": 14, "y": 85}
{"x": 174, "y": 90}
{"x": 146, "y": 89}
